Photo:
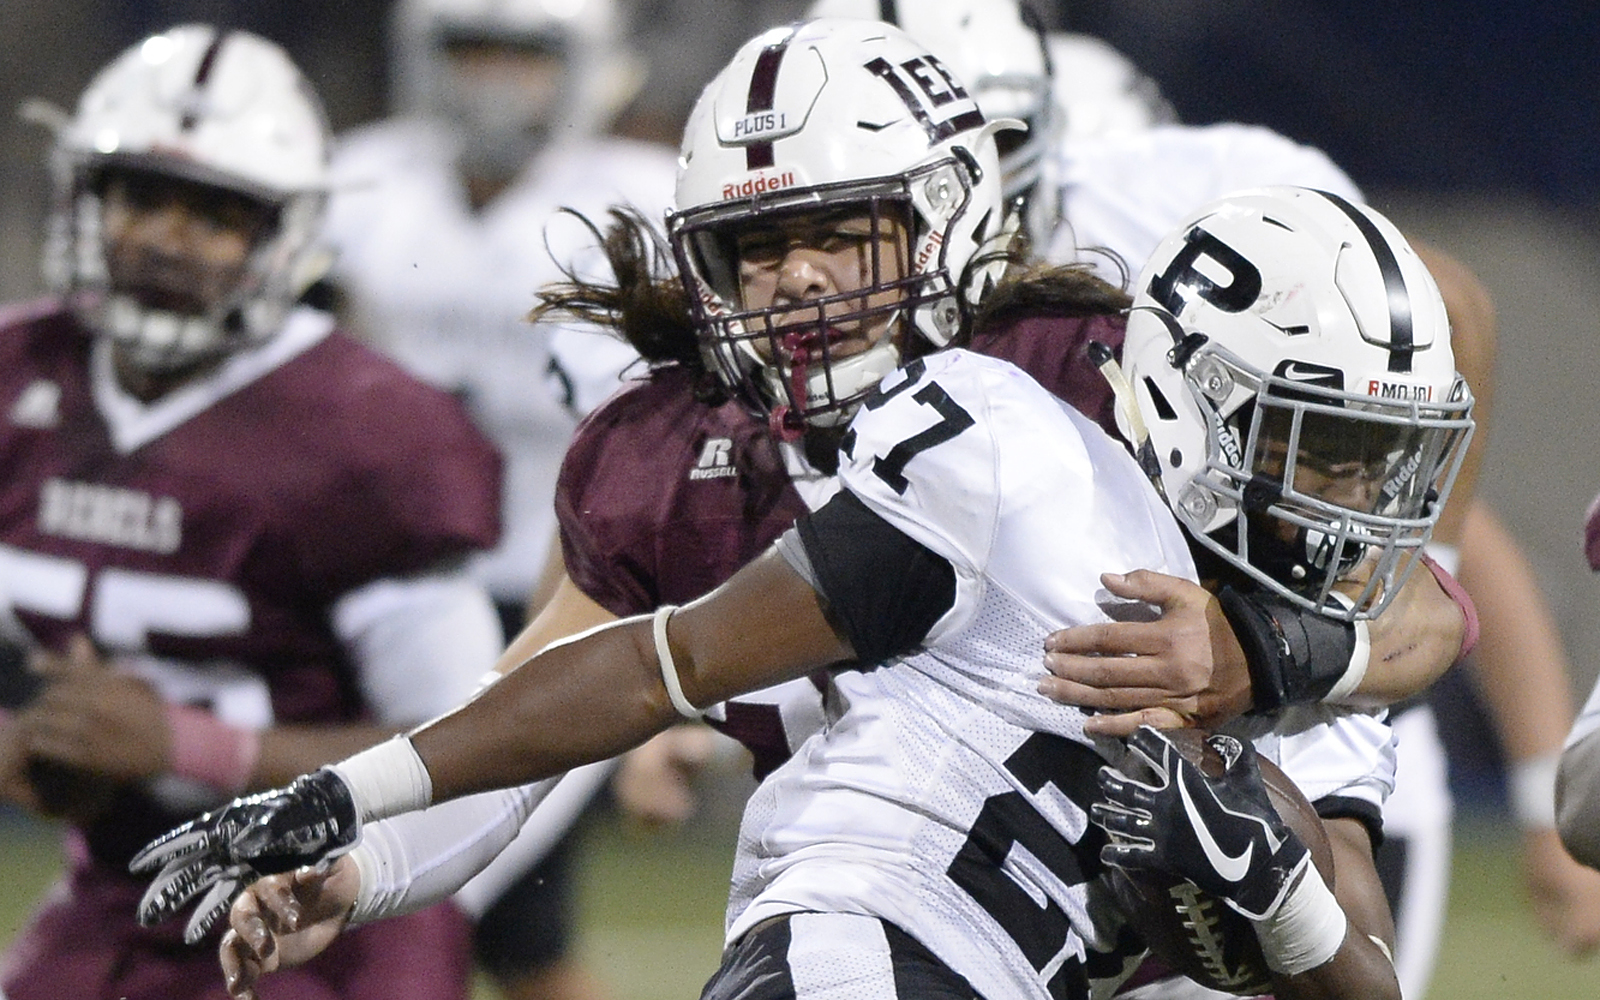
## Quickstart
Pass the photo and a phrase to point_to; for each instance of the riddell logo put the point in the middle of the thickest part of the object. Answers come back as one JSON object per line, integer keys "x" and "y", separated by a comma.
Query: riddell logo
{"x": 1399, "y": 390}
{"x": 929, "y": 248}
{"x": 716, "y": 460}
{"x": 760, "y": 184}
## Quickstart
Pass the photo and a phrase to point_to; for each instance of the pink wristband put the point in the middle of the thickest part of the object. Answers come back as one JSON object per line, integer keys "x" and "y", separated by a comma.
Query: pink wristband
{"x": 1457, "y": 593}
{"x": 211, "y": 751}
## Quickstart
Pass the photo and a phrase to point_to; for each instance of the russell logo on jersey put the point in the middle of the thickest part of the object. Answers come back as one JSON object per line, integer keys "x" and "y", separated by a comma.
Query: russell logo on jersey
{"x": 716, "y": 460}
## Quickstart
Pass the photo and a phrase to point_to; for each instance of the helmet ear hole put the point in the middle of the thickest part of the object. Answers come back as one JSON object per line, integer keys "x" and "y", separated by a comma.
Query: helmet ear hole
{"x": 1164, "y": 410}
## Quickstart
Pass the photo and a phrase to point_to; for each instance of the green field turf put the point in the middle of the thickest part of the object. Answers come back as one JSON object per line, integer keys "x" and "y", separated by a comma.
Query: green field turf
{"x": 651, "y": 913}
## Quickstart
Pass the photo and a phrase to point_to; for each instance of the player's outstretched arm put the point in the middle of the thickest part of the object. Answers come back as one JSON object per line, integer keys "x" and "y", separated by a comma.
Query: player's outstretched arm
{"x": 577, "y": 701}
{"x": 1210, "y": 658}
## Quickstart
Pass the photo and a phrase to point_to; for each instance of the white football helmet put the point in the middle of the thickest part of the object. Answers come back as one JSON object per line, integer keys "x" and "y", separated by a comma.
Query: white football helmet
{"x": 500, "y": 131}
{"x": 225, "y": 109}
{"x": 1296, "y": 394}
{"x": 816, "y": 118}
{"x": 996, "y": 48}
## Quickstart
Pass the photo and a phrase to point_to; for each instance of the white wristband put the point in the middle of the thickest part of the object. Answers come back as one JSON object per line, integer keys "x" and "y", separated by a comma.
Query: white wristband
{"x": 1306, "y": 930}
{"x": 669, "y": 669}
{"x": 1531, "y": 789}
{"x": 387, "y": 780}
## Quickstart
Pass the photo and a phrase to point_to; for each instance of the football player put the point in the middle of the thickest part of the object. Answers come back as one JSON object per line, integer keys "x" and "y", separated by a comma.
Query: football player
{"x": 815, "y": 282}
{"x": 446, "y": 218}
{"x": 1577, "y": 799}
{"x": 232, "y": 537}
{"x": 1105, "y": 166}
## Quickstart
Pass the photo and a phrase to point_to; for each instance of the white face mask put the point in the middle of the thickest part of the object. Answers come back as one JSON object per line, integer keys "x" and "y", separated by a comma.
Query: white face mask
{"x": 502, "y": 120}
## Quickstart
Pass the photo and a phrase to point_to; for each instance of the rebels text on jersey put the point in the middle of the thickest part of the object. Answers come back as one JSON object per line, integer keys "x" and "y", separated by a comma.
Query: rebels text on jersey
{"x": 203, "y": 539}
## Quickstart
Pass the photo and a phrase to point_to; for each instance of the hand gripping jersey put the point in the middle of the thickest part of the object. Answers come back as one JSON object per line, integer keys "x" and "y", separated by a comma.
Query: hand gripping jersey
{"x": 946, "y": 795}
{"x": 446, "y": 291}
{"x": 203, "y": 540}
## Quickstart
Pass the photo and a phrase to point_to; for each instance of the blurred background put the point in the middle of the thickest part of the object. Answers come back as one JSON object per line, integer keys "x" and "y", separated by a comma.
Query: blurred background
{"x": 1475, "y": 125}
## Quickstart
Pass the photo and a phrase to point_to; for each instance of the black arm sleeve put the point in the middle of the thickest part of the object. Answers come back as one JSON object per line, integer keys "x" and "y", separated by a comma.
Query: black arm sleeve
{"x": 1295, "y": 656}
{"x": 881, "y": 589}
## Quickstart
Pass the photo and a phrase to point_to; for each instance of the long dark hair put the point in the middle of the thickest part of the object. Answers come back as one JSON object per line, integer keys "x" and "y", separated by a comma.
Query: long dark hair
{"x": 648, "y": 306}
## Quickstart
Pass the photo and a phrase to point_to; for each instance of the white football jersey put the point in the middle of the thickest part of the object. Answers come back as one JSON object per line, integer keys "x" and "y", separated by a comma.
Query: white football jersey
{"x": 446, "y": 292}
{"x": 946, "y": 795}
{"x": 1125, "y": 189}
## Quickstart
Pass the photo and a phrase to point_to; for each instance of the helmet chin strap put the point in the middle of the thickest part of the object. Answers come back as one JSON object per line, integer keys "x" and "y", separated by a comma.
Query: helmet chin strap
{"x": 1128, "y": 405}
{"x": 846, "y": 378}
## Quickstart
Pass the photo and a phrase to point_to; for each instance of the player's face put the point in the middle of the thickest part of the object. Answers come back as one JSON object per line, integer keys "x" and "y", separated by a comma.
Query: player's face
{"x": 1344, "y": 463}
{"x": 799, "y": 260}
{"x": 177, "y": 245}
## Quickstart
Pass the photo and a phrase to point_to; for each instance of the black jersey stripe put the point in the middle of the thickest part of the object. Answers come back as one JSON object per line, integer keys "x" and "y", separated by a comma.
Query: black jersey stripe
{"x": 202, "y": 76}
{"x": 889, "y": 12}
{"x": 1402, "y": 336}
{"x": 763, "y": 89}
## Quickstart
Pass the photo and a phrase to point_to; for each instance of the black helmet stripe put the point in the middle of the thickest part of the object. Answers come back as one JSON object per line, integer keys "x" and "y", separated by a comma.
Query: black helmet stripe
{"x": 763, "y": 87}
{"x": 202, "y": 76}
{"x": 1402, "y": 340}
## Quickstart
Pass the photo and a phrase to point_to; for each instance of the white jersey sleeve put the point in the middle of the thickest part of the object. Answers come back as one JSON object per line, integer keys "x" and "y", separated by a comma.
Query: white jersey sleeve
{"x": 1330, "y": 753}
{"x": 420, "y": 645}
{"x": 1588, "y": 720}
{"x": 1124, "y": 191}
{"x": 1578, "y": 786}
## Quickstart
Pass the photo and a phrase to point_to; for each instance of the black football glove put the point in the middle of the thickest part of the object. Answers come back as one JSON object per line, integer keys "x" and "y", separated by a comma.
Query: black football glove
{"x": 1223, "y": 834}
{"x": 219, "y": 853}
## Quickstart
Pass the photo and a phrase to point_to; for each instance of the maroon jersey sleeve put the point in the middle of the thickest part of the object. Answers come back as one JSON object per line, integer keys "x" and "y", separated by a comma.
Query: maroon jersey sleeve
{"x": 1055, "y": 351}
{"x": 661, "y": 497}
{"x": 408, "y": 481}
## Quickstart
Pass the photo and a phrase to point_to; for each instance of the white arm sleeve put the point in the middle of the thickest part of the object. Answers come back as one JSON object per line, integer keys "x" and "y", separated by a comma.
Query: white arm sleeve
{"x": 420, "y": 644}
{"x": 550, "y": 821}
{"x": 414, "y": 860}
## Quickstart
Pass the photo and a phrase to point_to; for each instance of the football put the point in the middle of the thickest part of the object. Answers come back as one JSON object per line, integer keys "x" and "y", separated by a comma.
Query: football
{"x": 1193, "y": 932}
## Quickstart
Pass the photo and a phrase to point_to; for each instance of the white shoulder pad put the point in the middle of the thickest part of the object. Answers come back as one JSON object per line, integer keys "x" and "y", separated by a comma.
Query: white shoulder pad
{"x": 951, "y": 449}
{"x": 1126, "y": 191}
{"x": 921, "y": 453}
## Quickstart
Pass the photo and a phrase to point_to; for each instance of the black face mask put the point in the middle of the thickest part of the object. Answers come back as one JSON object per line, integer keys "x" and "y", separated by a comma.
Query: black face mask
{"x": 1302, "y": 563}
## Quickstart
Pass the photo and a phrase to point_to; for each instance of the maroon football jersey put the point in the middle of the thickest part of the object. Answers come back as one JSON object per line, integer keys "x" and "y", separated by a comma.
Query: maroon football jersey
{"x": 661, "y": 497}
{"x": 205, "y": 538}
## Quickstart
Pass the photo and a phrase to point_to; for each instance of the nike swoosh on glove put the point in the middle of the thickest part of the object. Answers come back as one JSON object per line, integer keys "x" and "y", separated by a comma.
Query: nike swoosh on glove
{"x": 1223, "y": 833}
{"x": 218, "y": 854}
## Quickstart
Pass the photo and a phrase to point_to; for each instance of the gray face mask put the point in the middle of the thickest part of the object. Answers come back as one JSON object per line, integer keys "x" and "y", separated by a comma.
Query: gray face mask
{"x": 500, "y": 124}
